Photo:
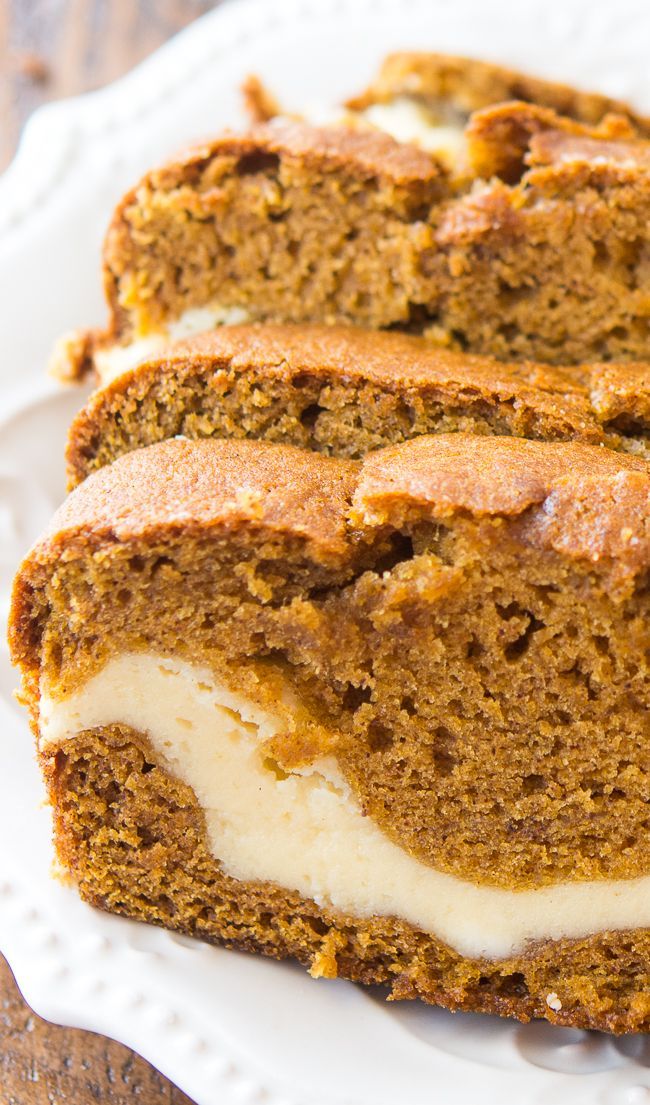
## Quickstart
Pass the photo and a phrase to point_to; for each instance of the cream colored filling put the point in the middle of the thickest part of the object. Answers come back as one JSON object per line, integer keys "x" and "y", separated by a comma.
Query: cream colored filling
{"x": 403, "y": 119}
{"x": 116, "y": 359}
{"x": 407, "y": 121}
{"x": 305, "y": 831}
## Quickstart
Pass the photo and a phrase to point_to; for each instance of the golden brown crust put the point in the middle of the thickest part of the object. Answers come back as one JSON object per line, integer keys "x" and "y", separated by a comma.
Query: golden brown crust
{"x": 345, "y": 391}
{"x": 363, "y": 154}
{"x": 499, "y": 138}
{"x": 380, "y": 357}
{"x": 559, "y": 259}
{"x": 182, "y": 485}
{"x": 462, "y": 85}
{"x": 588, "y": 504}
{"x": 328, "y": 149}
{"x": 585, "y": 504}
{"x": 560, "y": 146}
{"x": 177, "y": 485}
{"x": 154, "y": 865}
{"x": 492, "y": 475}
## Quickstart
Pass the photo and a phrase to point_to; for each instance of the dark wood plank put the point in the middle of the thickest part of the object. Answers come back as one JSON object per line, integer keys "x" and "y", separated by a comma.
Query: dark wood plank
{"x": 55, "y": 48}
{"x": 41, "y": 1064}
{"x": 49, "y": 49}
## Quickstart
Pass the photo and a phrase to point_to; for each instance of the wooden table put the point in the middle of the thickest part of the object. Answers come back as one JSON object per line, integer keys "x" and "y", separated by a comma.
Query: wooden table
{"x": 55, "y": 48}
{"x": 49, "y": 49}
{"x": 44, "y": 1065}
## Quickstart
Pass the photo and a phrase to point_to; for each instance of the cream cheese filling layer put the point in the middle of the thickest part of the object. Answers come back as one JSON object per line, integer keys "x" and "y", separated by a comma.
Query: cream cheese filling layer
{"x": 305, "y": 831}
{"x": 116, "y": 359}
{"x": 407, "y": 121}
{"x": 401, "y": 118}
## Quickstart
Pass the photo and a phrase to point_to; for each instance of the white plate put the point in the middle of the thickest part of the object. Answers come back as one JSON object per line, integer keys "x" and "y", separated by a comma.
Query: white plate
{"x": 225, "y": 1027}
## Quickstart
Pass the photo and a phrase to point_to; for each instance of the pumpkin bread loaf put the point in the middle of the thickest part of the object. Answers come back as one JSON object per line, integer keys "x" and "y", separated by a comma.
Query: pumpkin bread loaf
{"x": 345, "y": 391}
{"x": 388, "y": 717}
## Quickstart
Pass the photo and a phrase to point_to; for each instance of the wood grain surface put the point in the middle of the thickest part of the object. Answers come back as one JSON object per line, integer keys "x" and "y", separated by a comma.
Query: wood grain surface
{"x": 44, "y": 1065}
{"x": 49, "y": 49}
{"x": 55, "y": 48}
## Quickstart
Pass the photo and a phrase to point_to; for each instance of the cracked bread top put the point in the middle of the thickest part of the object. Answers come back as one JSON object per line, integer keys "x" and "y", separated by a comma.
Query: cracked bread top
{"x": 583, "y": 501}
{"x": 345, "y": 391}
{"x": 302, "y": 224}
{"x": 454, "y": 87}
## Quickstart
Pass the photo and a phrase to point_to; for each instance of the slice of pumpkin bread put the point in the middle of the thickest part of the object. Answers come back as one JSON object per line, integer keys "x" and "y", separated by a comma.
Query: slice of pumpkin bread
{"x": 446, "y": 90}
{"x": 387, "y": 717}
{"x": 345, "y": 391}
{"x": 292, "y": 223}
